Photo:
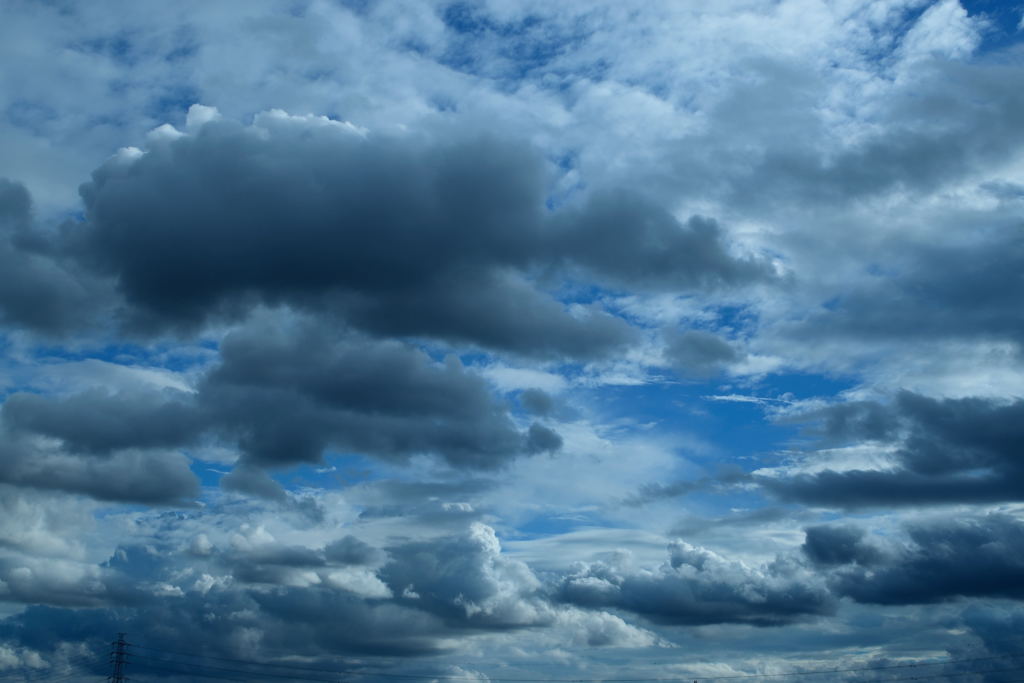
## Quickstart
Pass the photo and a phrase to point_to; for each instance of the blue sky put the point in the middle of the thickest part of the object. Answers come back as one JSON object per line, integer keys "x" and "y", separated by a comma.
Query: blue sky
{"x": 512, "y": 340}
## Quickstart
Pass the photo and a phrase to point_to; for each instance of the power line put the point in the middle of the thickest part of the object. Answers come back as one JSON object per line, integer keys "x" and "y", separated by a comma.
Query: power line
{"x": 954, "y": 674}
{"x": 579, "y": 680}
{"x": 246, "y": 661}
{"x": 191, "y": 673}
{"x": 141, "y": 659}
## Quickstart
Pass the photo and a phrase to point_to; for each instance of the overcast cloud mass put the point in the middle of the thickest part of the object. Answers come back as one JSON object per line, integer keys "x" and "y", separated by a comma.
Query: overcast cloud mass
{"x": 429, "y": 340}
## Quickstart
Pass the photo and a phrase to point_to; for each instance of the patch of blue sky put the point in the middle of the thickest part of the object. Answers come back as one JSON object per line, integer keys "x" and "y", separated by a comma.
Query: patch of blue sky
{"x": 1004, "y": 21}
{"x": 719, "y": 502}
{"x": 172, "y": 103}
{"x": 885, "y": 39}
{"x": 571, "y": 291}
{"x": 208, "y": 473}
{"x": 544, "y": 525}
{"x": 508, "y": 51}
{"x": 805, "y": 385}
{"x": 733, "y": 317}
{"x": 740, "y": 426}
{"x": 172, "y": 357}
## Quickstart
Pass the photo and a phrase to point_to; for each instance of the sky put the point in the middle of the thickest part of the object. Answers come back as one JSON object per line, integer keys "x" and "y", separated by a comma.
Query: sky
{"x": 491, "y": 340}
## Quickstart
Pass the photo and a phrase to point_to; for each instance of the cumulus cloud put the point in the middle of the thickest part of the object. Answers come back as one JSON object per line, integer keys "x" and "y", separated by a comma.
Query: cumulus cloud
{"x": 832, "y": 545}
{"x": 944, "y": 560}
{"x": 98, "y": 422}
{"x": 128, "y": 476}
{"x": 37, "y": 292}
{"x": 466, "y": 581}
{"x": 399, "y": 236}
{"x": 287, "y": 394}
{"x": 946, "y": 451}
{"x": 697, "y": 586}
{"x": 523, "y": 198}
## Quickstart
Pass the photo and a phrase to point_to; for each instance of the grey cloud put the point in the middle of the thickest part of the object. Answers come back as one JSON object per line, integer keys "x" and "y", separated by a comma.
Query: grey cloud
{"x": 628, "y": 241}
{"x": 695, "y": 526}
{"x": 437, "y": 503}
{"x": 970, "y": 557}
{"x": 317, "y": 620}
{"x": 768, "y": 152}
{"x": 854, "y": 421}
{"x": 273, "y": 564}
{"x": 466, "y": 581}
{"x": 537, "y": 401}
{"x": 698, "y": 353}
{"x": 113, "y": 446}
{"x": 455, "y": 585}
{"x": 655, "y": 491}
{"x": 541, "y": 439}
{"x": 129, "y": 476}
{"x": 247, "y": 479}
{"x": 496, "y": 310}
{"x": 36, "y": 291}
{"x": 284, "y": 392}
{"x": 940, "y": 292}
{"x": 286, "y": 396}
{"x": 119, "y": 582}
{"x": 833, "y": 545}
{"x": 697, "y": 586}
{"x": 99, "y": 422}
{"x": 399, "y": 237}
{"x": 948, "y": 451}
{"x": 350, "y": 550}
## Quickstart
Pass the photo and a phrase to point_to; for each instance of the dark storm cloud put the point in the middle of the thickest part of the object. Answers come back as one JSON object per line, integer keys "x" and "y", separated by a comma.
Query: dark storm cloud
{"x": 36, "y": 291}
{"x": 833, "y": 545}
{"x": 973, "y": 557}
{"x": 948, "y": 451}
{"x": 288, "y": 395}
{"x": 129, "y": 476}
{"x": 112, "y": 446}
{"x": 398, "y": 237}
{"x": 283, "y": 392}
{"x": 99, "y": 422}
{"x": 699, "y": 587}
